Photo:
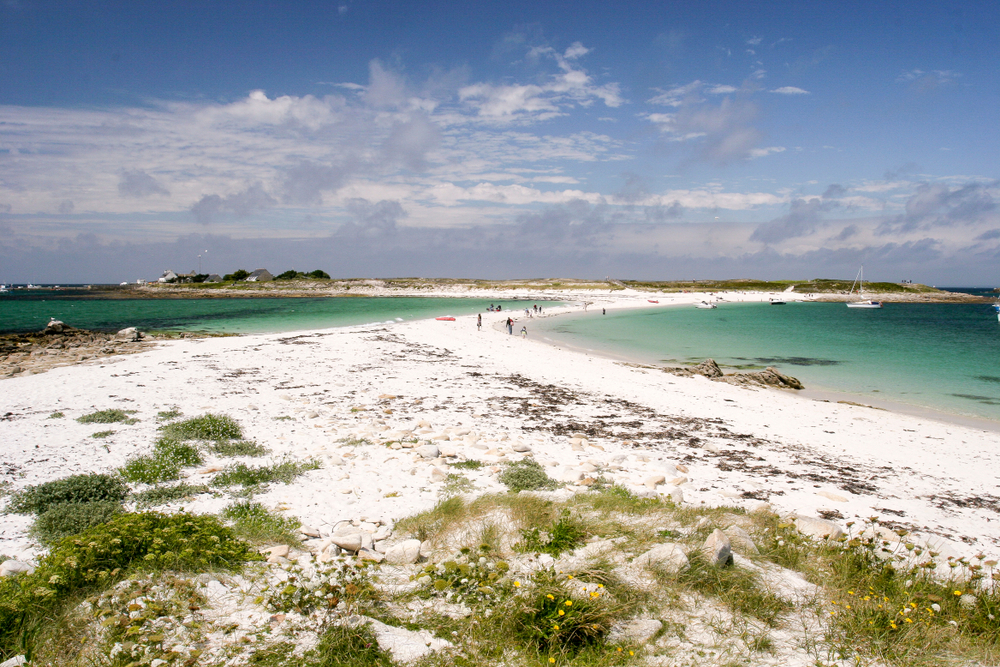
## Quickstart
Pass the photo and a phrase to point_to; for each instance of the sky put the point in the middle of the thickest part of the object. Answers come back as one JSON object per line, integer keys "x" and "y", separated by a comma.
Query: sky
{"x": 373, "y": 138}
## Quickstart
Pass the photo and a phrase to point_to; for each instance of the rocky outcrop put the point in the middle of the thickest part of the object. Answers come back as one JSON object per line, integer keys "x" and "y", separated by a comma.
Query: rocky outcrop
{"x": 61, "y": 345}
{"x": 769, "y": 377}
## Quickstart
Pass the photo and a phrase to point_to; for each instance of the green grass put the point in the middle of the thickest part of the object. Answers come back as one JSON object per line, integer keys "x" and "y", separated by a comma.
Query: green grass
{"x": 112, "y": 416}
{"x": 168, "y": 415}
{"x": 565, "y": 534}
{"x": 243, "y": 475}
{"x": 102, "y": 434}
{"x": 205, "y": 427}
{"x": 56, "y": 415}
{"x": 471, "y": 464}
{"x": 739, "y": 589}
{"x": 254, "y": 523}
{"x": 164, "y": 464}
{"x": 161, "y": 495}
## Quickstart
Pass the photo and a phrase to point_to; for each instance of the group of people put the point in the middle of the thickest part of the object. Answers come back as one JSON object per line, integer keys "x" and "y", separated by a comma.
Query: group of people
{"x": 509, "y": 323}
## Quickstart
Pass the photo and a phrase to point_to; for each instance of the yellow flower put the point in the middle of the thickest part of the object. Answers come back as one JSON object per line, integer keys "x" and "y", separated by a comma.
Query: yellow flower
{"x": 569, "y": 576}
{"x": 958, "y": 592}
{"x": 569, "y": 603}
{"x": 562, "y": 613}
{"x": 550, "y": 596}
{"x": 909, "y": 620}
{"x": 847, "y": 606}
{"x": 631, "y": 652}
{"x": 555, "y": 627}
{"x": 619, "y": 649}
{"x": 600, "y": 585}
{"x": 850, "y": 592}
{"x": 517, "y": 584}
{"x": 913, "y": 604}
{"x": 893, "y": 624}
{"x": 551, "y": 660}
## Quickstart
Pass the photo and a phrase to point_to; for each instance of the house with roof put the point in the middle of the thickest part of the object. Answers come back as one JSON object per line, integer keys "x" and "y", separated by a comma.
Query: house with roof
{"x": 260, "y": 276}
{"x": 214, "y": 278}
{"x": 167, "y": 277}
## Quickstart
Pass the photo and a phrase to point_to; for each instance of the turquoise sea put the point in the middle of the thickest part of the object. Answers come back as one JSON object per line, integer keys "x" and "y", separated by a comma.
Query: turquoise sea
{"x": 26, "y": 311}
{"x": 940, "y": 356}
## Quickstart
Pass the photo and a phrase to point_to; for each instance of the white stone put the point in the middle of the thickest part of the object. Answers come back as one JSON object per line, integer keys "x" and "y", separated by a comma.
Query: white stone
{"x": 438, "y": 475}
{"x": 16, "y": 661}
{"x": 12, "y": 567}
{"x": 740, "y": 539}
{"x": 280, "y": 551}
{"x": 448, "y": 451}
{"x": 428, "y": 451}
{"x": 520, "y": 447}
{"x": 308, "y": 530}
{"x": 717, "y": 549}
{"x": 383, "y": 533}
{"x": 406, "y": 646}
{"x": 404, "y": 553}
{"x": 668, "y": 556}
{"x": 832, "y": 496}
{"x": 351, "y": 542}
{"x": 571, "y": 476}
{"x": 818, "y": 528}
{"x": 676, "y": 495}
{"x": 370, "y": 554}
{"x": 654, "y": 481}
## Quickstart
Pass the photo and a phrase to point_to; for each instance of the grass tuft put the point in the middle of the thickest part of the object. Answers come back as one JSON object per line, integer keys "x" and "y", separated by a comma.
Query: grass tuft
{"x": 164, "y": 464}
{"x": 205, "y": 427}
{"x": 112, "y": 416}
{"x": 93, "y": 487}
{"x": 161, "y": 495}
{"x": 238, "y": 448}
{"x": 243, "y": 475}
{"x": 64, "y": 519}
{"x": 526, "y": 475}
{"x": 254, "y": 523}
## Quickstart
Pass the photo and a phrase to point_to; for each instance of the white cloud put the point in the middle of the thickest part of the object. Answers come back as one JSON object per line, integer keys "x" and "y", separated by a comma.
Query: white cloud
{"x": 790, "y": 90}
{"x": 770, "y": 150}
{"x": 722, "y": 89}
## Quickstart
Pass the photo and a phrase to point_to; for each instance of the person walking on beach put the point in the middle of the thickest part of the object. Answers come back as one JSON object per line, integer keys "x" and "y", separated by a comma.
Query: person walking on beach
{"x": 524, "y": 332}
{"x": 510, "y": 326}
{"x": 479, "y": 322}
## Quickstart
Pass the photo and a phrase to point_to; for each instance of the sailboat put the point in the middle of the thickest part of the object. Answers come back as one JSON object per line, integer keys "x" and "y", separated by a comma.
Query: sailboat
{"x": 859, "y": 280}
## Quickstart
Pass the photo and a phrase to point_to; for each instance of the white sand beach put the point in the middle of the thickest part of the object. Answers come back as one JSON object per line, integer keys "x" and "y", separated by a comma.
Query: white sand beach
{"x": 490, "y": 396}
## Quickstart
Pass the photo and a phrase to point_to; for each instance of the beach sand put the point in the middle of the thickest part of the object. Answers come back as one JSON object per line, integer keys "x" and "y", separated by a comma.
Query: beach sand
{"x": 484, "y": 394}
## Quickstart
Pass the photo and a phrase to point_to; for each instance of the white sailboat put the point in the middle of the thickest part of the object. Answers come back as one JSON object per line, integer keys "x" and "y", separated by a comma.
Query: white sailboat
{"x": 859, "y": 280}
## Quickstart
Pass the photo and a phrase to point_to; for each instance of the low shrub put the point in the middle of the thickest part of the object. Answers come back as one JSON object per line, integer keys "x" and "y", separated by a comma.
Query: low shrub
{"x": 238, "y": 448}
{"x": 75, "y": 489}
{"x": 205, "y": 427}
{"x": 56, "y": 415}
{"x": 253, "y": 522}
{"x": 321, "y": 588}
{"x": 343, "y": 646}
{"x": 526, "y": 475}
{"x": 102, "y": 434}
{"x": 168, "y": 415}
{"x": 105, "y": 554}
{"x": 471, "y": 464}
{"x": 243, "y": 475}
{"x": 160, "y": 495}
{"x": 64, "y": 519}
{"x": 469, "y": 577}
{"x": 164, "y": 464}
{"x": 112, "y": 416}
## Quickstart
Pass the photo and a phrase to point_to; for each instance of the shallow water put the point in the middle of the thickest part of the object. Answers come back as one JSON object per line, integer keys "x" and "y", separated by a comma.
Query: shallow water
{"x": 31, "y": 311}
{"x": 942, "y": 356}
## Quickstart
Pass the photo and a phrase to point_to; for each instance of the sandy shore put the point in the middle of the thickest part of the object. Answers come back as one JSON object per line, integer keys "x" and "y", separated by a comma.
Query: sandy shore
{"x": 483, "y": 395}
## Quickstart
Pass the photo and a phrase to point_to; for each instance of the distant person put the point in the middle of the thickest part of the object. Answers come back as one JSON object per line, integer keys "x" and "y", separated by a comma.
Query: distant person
{"x": 479, "y": 322}
{"x": 499, "y": 308}
{"x": 603, "y": 311}
{"x": 524, "y": 332}
{"x": 510, "y": 326}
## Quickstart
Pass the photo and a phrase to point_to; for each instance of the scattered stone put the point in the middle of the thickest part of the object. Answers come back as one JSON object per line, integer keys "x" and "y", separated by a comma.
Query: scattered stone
{"x": 820, "y": 529}
{"x": 677, "y": 481}
{"x": 438, "y": 475}
{"x": 654, "y": 481}
{"x": 676, "y": 495}
{"x": 280, "y": 551}
{"x": 11, "y": 567}
{"x": 406, "y": 646}
{"x": 832, "y": 496}
{"x": 428, "y": 451}
{"x": 717, "y": 549}
{"x": 16, "y": 661}
{"x": 351, "y": 542}
{"x": 370, "y": 554}
{"x": 129, "y": 334}
{"x": 309, "y": 530}
{"x": 520, "y": 448}
{"x": 404, "y": 553}
{"x": 668, "y": 556}
{"x": 681, "y": 468}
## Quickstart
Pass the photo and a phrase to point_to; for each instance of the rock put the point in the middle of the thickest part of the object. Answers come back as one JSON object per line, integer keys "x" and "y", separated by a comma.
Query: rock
{"x": 654, "y": 481}
{"x": 280, "y": 551}
{"x": 639, "y": 630}
{"x": 708, "y": 368}
{"x": 447, "y": 451}
{"x": 820, "y": 529}
{"x": 667, "y": 556}
{"x": 370, "y": 554}
{"x": 404, "y": 553}
{"x": 740, "y": 539}
{"x": 676, "y": 495}
{"x": 520, "y": 447}
{"x": 55, "y": 326}
{"x": 832, "y": 496}
{"x": 350, "y": 542}
{"x": 129, "y": 334}
{"x": 677, "y": 481}
{"x": 588, "y": 467}
{"x": 16, "y": 661}
{"x": 717, "y": 549}
{"x": 438, "y": 475}
{"x": 309, "y": 531}
{"x": 571, "y": 476}
{"x": 11, "y": 567}
{"x": 426, "y": 549}
{"x": 681, "y": 468}
{"x": 406, "y": 646}
{"x": 428, "y": 451}
{"x": 383, "y": 533}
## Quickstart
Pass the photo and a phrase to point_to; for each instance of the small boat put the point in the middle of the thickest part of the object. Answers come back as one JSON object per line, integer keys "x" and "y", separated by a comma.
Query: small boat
{"x": 859, "y": 280}
{"x": 777, "y": 302}
{"x": 651, "y": 301}
{"x": 705, "y": 305}
{"x": 445, "y": 319}
{"x": 996, "y": 307}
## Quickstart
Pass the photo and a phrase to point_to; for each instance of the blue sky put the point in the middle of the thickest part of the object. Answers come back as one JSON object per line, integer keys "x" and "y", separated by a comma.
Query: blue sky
{"x": 515, "y": 139}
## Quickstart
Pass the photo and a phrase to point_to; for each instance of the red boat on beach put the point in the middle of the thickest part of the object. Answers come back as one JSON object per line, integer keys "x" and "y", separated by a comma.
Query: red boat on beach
{"x": 651, "y": 301}
{"x": 445, "y": 319}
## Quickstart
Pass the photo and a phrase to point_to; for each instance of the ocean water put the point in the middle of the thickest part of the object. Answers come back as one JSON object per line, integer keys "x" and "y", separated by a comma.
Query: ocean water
{"x": 25, "y": 311}
{"x": 940, "y": 356}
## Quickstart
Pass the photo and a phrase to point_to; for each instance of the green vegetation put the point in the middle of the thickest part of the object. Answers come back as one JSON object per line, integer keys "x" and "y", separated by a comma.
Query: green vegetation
{"x": 254, "y": 523}
{"x": 471, "y": 464}
{"x": 238, "y": 448}
{"x": 56, "y": 415}
{"x": 93, "y": 487}
{"x": 206, "y": 427}
{"x": 102, "y": 434}
{"x": 564, "y": 535}
{"x": 164, "y": 464}
{"x": 99, "y": 557}
{"x": 167, "y": 415}
{"x": 457, "y": 484}
{"x": 818, "y": 285}
{"x": 248, "y": 477}
{"x": 298, "y": 275}
{"x": 239, "y": 274}
{"x": 59, "y": 521}
{"x": 526, "y": 475}
{"x": 343, "y": 646}
{"x": 112, "y": 416}
{"x": 161, "y": 495}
